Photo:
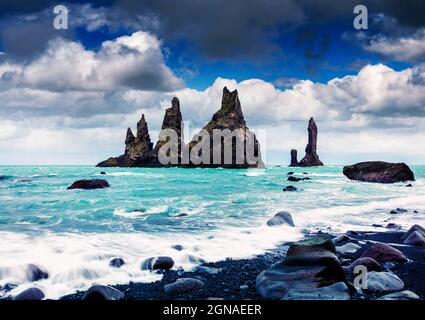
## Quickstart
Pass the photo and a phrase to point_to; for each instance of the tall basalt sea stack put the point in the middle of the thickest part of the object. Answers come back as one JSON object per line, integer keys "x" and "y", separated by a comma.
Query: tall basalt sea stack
{"x": 138, "y": 149}
{"x": 244, "y": 147}
{"x": 294, "y": 158}
{"x": 311, "y": 159}
{"x": 172, "y": 124}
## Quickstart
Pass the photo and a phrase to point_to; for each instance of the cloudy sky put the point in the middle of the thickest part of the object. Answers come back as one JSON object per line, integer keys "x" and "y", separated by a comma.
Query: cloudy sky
{"x": 67, "y": 96}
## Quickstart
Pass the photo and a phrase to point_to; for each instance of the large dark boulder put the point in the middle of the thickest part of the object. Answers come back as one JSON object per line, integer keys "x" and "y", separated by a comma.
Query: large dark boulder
{"x": 99, "y": 292}
{"x": 182, "y": 286}
{"x": 379, "y": 172}
{"x": 280, "y": 218}
{"x": 382, "y": 252}
{"x": 89, "y": 184}
{"x": 309, "y": 265}
{"x": 35, "y": 273}
{"x": 30, "y": 294}
{"x": 157, "y": 263}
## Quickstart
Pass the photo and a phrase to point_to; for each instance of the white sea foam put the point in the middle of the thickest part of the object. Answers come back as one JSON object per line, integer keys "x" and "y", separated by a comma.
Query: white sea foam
{"x": 77, "y": 261}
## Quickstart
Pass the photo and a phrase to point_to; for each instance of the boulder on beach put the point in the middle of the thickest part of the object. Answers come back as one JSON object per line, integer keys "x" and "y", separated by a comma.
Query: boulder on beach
{"x": 348, "y": 248}
{"x": 30, "y": 294}
{"x": 157, "y": 263}
{"x": 414, "y": 228}
{"x": 393, "y": 226}
{"x": 383, "y": 282}
{"x": 400, "y": 296}
{"x": 398, "y": 211}
{"x": 337, "y": 291}
{"x": 415, "y": 238}
{"x": 89, "y": 184}
{"x": 382, "y": 252}
{"x": 183, "y": 285}
{"x": 35, "y": 273}
{"x": 310, "y": 264}
{"x": 117, "y": 262}
{"x": 99, "y": 292}
{"x": 369, "y": 263}
{"x": 280, "y": 218}
{"x": 379, "y": 172}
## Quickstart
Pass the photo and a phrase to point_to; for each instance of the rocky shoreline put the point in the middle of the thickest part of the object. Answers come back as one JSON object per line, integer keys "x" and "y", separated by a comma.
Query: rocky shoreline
{"x": 396, "y": 278}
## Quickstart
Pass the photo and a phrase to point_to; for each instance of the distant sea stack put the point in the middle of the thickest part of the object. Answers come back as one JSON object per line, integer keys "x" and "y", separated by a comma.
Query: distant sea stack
{"x": 311, "y": 159}
{"x": 140, "y": 153}
{"x": 229, "y": 117}
{"x": 294, "y": 158}
{"x": 379, "y": 172}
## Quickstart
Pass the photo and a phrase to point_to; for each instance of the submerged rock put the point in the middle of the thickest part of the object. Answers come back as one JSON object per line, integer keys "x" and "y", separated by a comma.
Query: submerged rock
{"x": 158, "y": 263}
{"x": 383, "y": 282}
{"x": 379, "y": 172}
{"x": 296, "y": 179}
{"x": 280, "y": 218}
{"x": 290, "y": 188}
{"x": 294, "y": 158}
{"x": 337, "y": 291}
{"x": 382, "y": 252}
{"x": 35, "y": 273}
{"x": 311, "y": 159}
{"x": 398, "y": 211}
{"x": 183, "y": 285}
{"x": 30, "y": 294}
{"x": 117, "y": 262}
{"x": 89, "y": 184}
{"x": 99, "y": 292}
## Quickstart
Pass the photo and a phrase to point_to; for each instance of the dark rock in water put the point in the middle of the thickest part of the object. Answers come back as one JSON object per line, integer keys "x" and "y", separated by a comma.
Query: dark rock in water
{"x": 231, "y": 118}
{"x": 102, "y": 172}
{"x": 311, "y": 159}
{"x": 398, "y": 211}
{"x": 35, "y": 273}
{"x": 382, "y": 252}
{"x": 379, "y": 172}
{"x": 393, "y": 226}
{"x": 305, "y": 172}
{"x": 337, "y": 291}
{"x": 183, "y": 285}
{"x": 157, "y": 263}
{"x": 369, "y": 263}
{"x": 117, "y": 262}
{"x": 182, "y": 215}
{"x": 178, "y": 247}
{"x": 8, "y": 287}
{"x": 294, "y": 158}
{"x": 416, "y": 238}
{"x": 30, "y": 294}
{"x": 310, "y": 264}
{"x": 99, "y": 292}
{"x": 280, "y": 218}
{"x": 4, "y": 178}
{"x": 414, "y": 228}
{"x": 296, "y": 179}
{"x": 290, "y": 173}
{"x": 409, "y": 185}
{"x": 290, "y": 188}
{"x": 89, "y": 184}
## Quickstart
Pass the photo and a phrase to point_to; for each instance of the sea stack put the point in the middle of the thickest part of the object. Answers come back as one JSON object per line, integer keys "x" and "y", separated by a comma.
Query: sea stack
{"x": 294, "y": 158}
{"x": 311, "y": 159}
{"x": 173, "y": 122}
{"x": 229, "y": 117}
{"x": 138, "y": 149}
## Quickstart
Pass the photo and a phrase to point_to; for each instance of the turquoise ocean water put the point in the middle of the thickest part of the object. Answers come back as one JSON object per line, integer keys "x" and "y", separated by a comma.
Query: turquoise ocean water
{"x": 212, "y": 213}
